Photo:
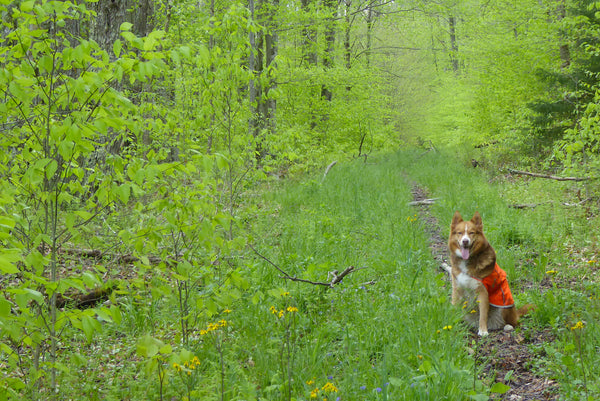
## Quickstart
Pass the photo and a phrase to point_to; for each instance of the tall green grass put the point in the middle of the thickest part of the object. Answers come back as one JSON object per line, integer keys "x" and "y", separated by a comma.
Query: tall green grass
{"x": 549, "y": 252}
{"x": 388, "y": 331}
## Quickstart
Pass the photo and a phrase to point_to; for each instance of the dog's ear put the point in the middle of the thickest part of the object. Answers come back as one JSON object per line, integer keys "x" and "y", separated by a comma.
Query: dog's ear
{"x": 456, "y": 219}
{"x": 477, "y": 220}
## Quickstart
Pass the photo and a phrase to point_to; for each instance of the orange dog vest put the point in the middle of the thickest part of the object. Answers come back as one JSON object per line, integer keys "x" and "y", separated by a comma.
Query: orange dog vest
{"x": 496, "y": 285}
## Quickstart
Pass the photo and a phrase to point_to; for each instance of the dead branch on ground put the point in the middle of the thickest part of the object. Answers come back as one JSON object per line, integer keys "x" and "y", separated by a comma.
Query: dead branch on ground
{"x": 423, "y": 202}
{"x": 336, "y": 277}
{"x": 551, "y": 177}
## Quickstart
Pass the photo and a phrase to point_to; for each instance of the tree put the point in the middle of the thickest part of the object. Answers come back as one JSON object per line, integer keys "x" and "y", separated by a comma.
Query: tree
{"x": 59, "y": 106}
{"x": 263, "y": 54}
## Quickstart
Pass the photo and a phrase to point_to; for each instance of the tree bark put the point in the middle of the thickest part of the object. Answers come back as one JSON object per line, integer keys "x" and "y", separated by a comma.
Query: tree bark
{"x": 565, "y": 53}
{"x": 331, "y": 9}
{"x": 309, "y": 37}
{"x": 262, "y": 64}
{"x": 453, "y": 43}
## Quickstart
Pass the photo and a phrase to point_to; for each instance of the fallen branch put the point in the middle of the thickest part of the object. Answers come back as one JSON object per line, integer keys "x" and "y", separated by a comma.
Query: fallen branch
{"x": 329, "y": 168}
{"x": 98, "y": 255}
{"x": 551, "y": 177}
{"x": 336, "y": 276}
{"x": 423, "y": 202}
{"x": 80, "y": 300}
{"x": 525, "y": 206}
{"x": 534, "y": 205}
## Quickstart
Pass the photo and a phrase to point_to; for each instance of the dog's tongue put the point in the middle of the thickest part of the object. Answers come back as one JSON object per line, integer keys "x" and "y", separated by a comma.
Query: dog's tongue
{"x": 464, "y": 252}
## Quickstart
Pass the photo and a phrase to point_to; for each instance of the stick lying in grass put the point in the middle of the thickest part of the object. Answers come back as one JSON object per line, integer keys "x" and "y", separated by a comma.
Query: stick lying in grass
{"x": 423, "y": 202}
{"x": 336, "y": 276}
{"x": 550, "y": 177}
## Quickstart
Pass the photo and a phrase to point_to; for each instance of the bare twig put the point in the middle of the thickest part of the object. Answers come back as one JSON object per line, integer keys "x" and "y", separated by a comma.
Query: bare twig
{"x": 551, "y": 177}
{"x": 336, "y": 277}
{"x": 533, "y": 205}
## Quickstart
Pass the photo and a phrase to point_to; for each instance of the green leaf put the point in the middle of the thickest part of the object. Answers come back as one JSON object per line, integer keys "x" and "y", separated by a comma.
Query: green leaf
{"x": 425, "y": 367}
{"x": 499, "y": 388}
{"x": 126, "y": 26}
{"x": 478, "y": 397}
{"x": 5, "y": 306}
{"x": 148, "y": 346}
{"x": 46, "y": 63}
{"x": 27, "y": 6}
{"x": 90, "y": 326}
{"x": 166, "y": 349}
{"x": 117, "y": 47}
{"x": 8, "y": 258}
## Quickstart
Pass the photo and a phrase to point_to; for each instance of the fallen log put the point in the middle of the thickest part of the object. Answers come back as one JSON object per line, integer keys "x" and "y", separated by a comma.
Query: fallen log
{"x": 550, "y": 177}
{"x": 81, "y": 300}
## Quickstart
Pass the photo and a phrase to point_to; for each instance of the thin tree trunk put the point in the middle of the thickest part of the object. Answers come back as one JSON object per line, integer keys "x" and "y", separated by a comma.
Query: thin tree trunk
{"x": 369, "y": 33}
{"x": 331, "y": 9}
{"x": 309, "y": 38}
{"x": 453, "y": 43}
{"x": 347, "y": 49}
{"x": 565, "y": 53}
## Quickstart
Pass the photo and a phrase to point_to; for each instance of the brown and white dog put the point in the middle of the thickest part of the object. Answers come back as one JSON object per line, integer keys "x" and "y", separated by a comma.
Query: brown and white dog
{"x": 474, "y": 271}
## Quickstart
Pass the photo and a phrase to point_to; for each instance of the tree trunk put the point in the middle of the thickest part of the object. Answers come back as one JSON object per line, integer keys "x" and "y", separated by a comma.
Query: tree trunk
{"x": 565, "y": 53}
{"x": 309, "y": 38}
{"x": 347, "y": 49}
{"x": 262, "y": 63}
{"x": 453, "y": 43}
{"x": 369, "y": 33}
{"x": 331, "y": 9}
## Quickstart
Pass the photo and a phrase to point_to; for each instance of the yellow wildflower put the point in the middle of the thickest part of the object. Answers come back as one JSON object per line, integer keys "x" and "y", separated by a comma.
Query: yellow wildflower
{"x": 329, "y": 388}
{"x": 292, "y": 309}
{"x": 314, "y": 393}
{"x": 578, "y": 326}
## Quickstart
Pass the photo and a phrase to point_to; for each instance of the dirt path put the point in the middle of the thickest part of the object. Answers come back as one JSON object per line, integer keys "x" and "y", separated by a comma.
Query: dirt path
{"x": 506, "y": 357}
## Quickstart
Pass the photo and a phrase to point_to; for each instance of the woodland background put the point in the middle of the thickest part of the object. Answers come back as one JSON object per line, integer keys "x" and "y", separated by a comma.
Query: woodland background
{"x": 141, "y": 140}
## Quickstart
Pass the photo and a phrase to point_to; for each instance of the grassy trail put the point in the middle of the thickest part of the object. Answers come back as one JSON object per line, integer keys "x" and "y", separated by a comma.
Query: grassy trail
{"x": 388, "y": 331}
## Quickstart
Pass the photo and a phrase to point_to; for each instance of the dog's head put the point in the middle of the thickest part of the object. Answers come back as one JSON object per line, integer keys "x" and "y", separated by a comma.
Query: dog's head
{"x": 466, "y": 237}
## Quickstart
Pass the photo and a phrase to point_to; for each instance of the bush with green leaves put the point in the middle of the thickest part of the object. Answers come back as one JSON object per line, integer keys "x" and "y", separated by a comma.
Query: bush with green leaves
{"x": 63, "y": 164}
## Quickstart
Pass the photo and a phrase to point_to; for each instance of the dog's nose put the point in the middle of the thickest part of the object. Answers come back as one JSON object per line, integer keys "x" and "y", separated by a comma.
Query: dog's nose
{"x": 465, "y": 242}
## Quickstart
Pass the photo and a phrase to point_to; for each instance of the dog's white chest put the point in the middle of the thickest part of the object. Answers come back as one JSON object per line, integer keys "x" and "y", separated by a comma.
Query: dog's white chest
{"x": 464, "y": 280}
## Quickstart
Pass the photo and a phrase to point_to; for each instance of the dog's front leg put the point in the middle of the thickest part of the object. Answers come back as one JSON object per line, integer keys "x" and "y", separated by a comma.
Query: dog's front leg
{"x": 457, "y": 291}
{"x": 484, "y": 308}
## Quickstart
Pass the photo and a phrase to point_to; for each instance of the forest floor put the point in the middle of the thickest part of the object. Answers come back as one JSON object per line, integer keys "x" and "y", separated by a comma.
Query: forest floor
{"x": 505, "y": 356}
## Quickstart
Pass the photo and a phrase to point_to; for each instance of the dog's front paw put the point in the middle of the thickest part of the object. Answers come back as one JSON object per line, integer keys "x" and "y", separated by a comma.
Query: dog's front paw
{"x": 482, "y": 333}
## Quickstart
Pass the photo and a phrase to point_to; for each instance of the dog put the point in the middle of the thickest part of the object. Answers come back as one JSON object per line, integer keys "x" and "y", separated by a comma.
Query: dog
{"x": 474, "y": 271}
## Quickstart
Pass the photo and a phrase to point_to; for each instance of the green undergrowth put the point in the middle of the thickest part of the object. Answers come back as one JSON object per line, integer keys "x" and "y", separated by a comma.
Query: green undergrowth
{"x": 548, "y": 247}
{"x": 387, "y": 331}
{"x": 256, "y": 322}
